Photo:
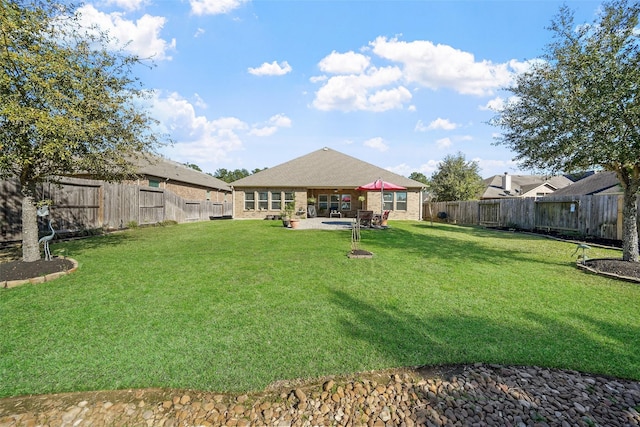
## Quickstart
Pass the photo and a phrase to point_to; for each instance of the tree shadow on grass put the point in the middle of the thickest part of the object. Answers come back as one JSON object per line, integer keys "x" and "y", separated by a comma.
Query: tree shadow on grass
{"x": 465, "y": 244}
{"x": 568, "y": 341}
{"x": 77, "y": 247}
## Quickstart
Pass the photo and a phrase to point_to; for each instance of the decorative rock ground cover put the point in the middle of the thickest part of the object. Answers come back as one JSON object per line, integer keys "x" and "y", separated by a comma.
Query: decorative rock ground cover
{"x": 477, "y": 395}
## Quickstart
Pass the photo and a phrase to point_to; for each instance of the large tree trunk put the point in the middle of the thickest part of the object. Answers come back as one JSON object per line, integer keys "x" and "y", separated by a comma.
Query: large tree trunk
{"x": 30, "y": 245}
{"x": 629, "y": 223}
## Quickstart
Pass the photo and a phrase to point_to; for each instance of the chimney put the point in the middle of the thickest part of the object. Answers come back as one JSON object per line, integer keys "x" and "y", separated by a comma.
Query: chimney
{"x": 506, "y": 182}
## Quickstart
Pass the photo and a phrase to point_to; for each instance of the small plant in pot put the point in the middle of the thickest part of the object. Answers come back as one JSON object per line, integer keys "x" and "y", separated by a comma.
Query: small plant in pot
{"x": 287, "y": 214}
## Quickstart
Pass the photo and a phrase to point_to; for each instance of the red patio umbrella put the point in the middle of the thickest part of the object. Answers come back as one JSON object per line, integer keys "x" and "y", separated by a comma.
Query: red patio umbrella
{"x": 381, "y": 185}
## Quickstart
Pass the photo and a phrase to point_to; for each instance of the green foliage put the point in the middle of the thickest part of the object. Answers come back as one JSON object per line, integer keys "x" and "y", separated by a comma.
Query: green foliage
{"x": 193, "y": 166}
{"x": 234, "y": 175}
{"x": 579, "y": 108}
{"x": 132, "y": 224}
{"x": 236, "y": 316}
{"x": 456, "y": 179}
{"x": 230, "y": 176}
{"x": 68, "y": 104}
{"x": 420, "y": 177}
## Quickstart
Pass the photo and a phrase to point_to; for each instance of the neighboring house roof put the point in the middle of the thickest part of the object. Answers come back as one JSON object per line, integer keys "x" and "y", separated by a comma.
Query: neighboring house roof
{"x": 605, "y": 182}
{"x": 522, "y": 185}
{"x": 324, "y": 168}
{"x": 174, "y": 171}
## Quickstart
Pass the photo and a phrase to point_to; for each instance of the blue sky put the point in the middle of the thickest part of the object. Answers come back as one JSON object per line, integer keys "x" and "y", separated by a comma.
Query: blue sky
{"x": 399, "y": 84}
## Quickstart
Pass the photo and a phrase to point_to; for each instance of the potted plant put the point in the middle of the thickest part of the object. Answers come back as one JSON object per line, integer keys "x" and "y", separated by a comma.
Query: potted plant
{"x": 287, "y": 214}
{"x": 311, "y": 200}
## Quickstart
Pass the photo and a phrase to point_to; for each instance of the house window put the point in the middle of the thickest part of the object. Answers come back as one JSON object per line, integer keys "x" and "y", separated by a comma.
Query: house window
{"x": 387, "y": 198}
{"x": 249, "y": 201}
{"x": 401, "y": 200}
{"x": 154, "y": 183}
{"x": 334, "y": 202}
{"x": 323, "y": 202}
{"x": 288, "y": 198}
{"x": 345, "y": 204}
{"x": 263, "y": 200}
{"x": 276, "y": 201}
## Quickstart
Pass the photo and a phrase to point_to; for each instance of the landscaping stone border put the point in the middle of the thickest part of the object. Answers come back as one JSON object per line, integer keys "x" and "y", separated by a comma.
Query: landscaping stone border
{"x": 585, "y": 267}
{"x": 40, "y": 279}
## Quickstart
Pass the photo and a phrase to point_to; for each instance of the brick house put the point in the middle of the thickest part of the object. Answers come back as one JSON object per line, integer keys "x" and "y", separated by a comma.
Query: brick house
{"x": 330, "y": 178}
{"x": 187, "y": 183}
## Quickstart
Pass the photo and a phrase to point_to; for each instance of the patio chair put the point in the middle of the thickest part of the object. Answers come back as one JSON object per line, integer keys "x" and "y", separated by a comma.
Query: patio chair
{"x": 365, "y": 218}
{"x": 381, "y": 220}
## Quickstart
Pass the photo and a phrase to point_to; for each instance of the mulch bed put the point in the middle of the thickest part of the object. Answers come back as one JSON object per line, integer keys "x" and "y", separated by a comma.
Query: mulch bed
{"x": 20, "y": 270}
{"x": 615, "y": 267}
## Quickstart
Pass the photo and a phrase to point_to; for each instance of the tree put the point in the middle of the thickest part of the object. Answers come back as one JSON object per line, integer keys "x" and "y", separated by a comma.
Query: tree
{"x": 193, "y": 166}
{"x": 256, "y": 170}
{"x": 579, "y": 108}
{"x": 420, "y": 177}
{"x": 456, "y": 179}
{"x": 68, "y": 104}
{"x": 230, "y": 176}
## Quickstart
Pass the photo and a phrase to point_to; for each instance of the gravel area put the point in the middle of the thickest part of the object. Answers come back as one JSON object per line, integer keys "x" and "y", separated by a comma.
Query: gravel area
{"x": 468, "y": 395}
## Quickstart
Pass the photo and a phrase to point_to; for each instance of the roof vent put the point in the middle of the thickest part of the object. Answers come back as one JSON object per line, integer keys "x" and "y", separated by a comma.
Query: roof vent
{"x": 325, "y": 149}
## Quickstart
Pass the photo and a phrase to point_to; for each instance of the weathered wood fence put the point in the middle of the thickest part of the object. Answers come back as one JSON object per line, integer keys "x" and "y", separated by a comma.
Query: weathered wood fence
{"x": 596, "y": 216}
{"x": 82, "y": 204}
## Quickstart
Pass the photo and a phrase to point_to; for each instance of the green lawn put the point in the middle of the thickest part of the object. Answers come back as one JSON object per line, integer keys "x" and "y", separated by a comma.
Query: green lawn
{"x": 236, "y": 305}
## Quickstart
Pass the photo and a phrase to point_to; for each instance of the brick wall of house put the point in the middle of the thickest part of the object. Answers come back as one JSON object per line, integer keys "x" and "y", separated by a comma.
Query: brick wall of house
{"x": 412, "y": 212}
{"x": 239, "y": 202}
{"x": 187, "y": 191}
{"x": 413, "y": 205}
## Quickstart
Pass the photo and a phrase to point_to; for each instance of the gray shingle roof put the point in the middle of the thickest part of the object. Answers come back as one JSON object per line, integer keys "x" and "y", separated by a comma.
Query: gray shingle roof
{"x": 163, "y": 168}
{"x": 521, "y": 184}
{"x": 324, "y": 168}
{"x": 600, "y": 182}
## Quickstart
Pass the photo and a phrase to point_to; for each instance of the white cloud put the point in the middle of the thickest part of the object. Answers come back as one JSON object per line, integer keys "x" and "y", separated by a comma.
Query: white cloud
{"x": 273, "y": 69}
{"x": 495, "y": 104}
{"x": 281, "y": 120}
{"x": 441, "y": 66}
{"x": 214, "y": 7}
{"x": 274, "y": 124}
{"x": 376, "y": 143}
{"x": 263, "y": 131}
{"x": 129, "y": 5}
{"x": 344, "y": 63}
{"x": 352, "y": 81}
{"x": 426, "y": 168}
{"x": 318, "y": 79}
{"x": 496, "y": 167}
{"x": 199, "y": 32}
{"x": 363, "y": 91}
{"x": 441, "y": 124}
{"x": 200, "y": 103}
{"x": 420, "y": 127}
{"x": 140, "y": 37}
{"x": 444, "y": 143}
{"x": 430, "y": 167}
{"x": 196, "y": 137}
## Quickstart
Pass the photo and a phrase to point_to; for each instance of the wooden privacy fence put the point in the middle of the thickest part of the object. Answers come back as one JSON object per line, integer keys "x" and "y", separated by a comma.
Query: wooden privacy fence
{"x": 597, "y": 216}
{"x": 82, "y": 204}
